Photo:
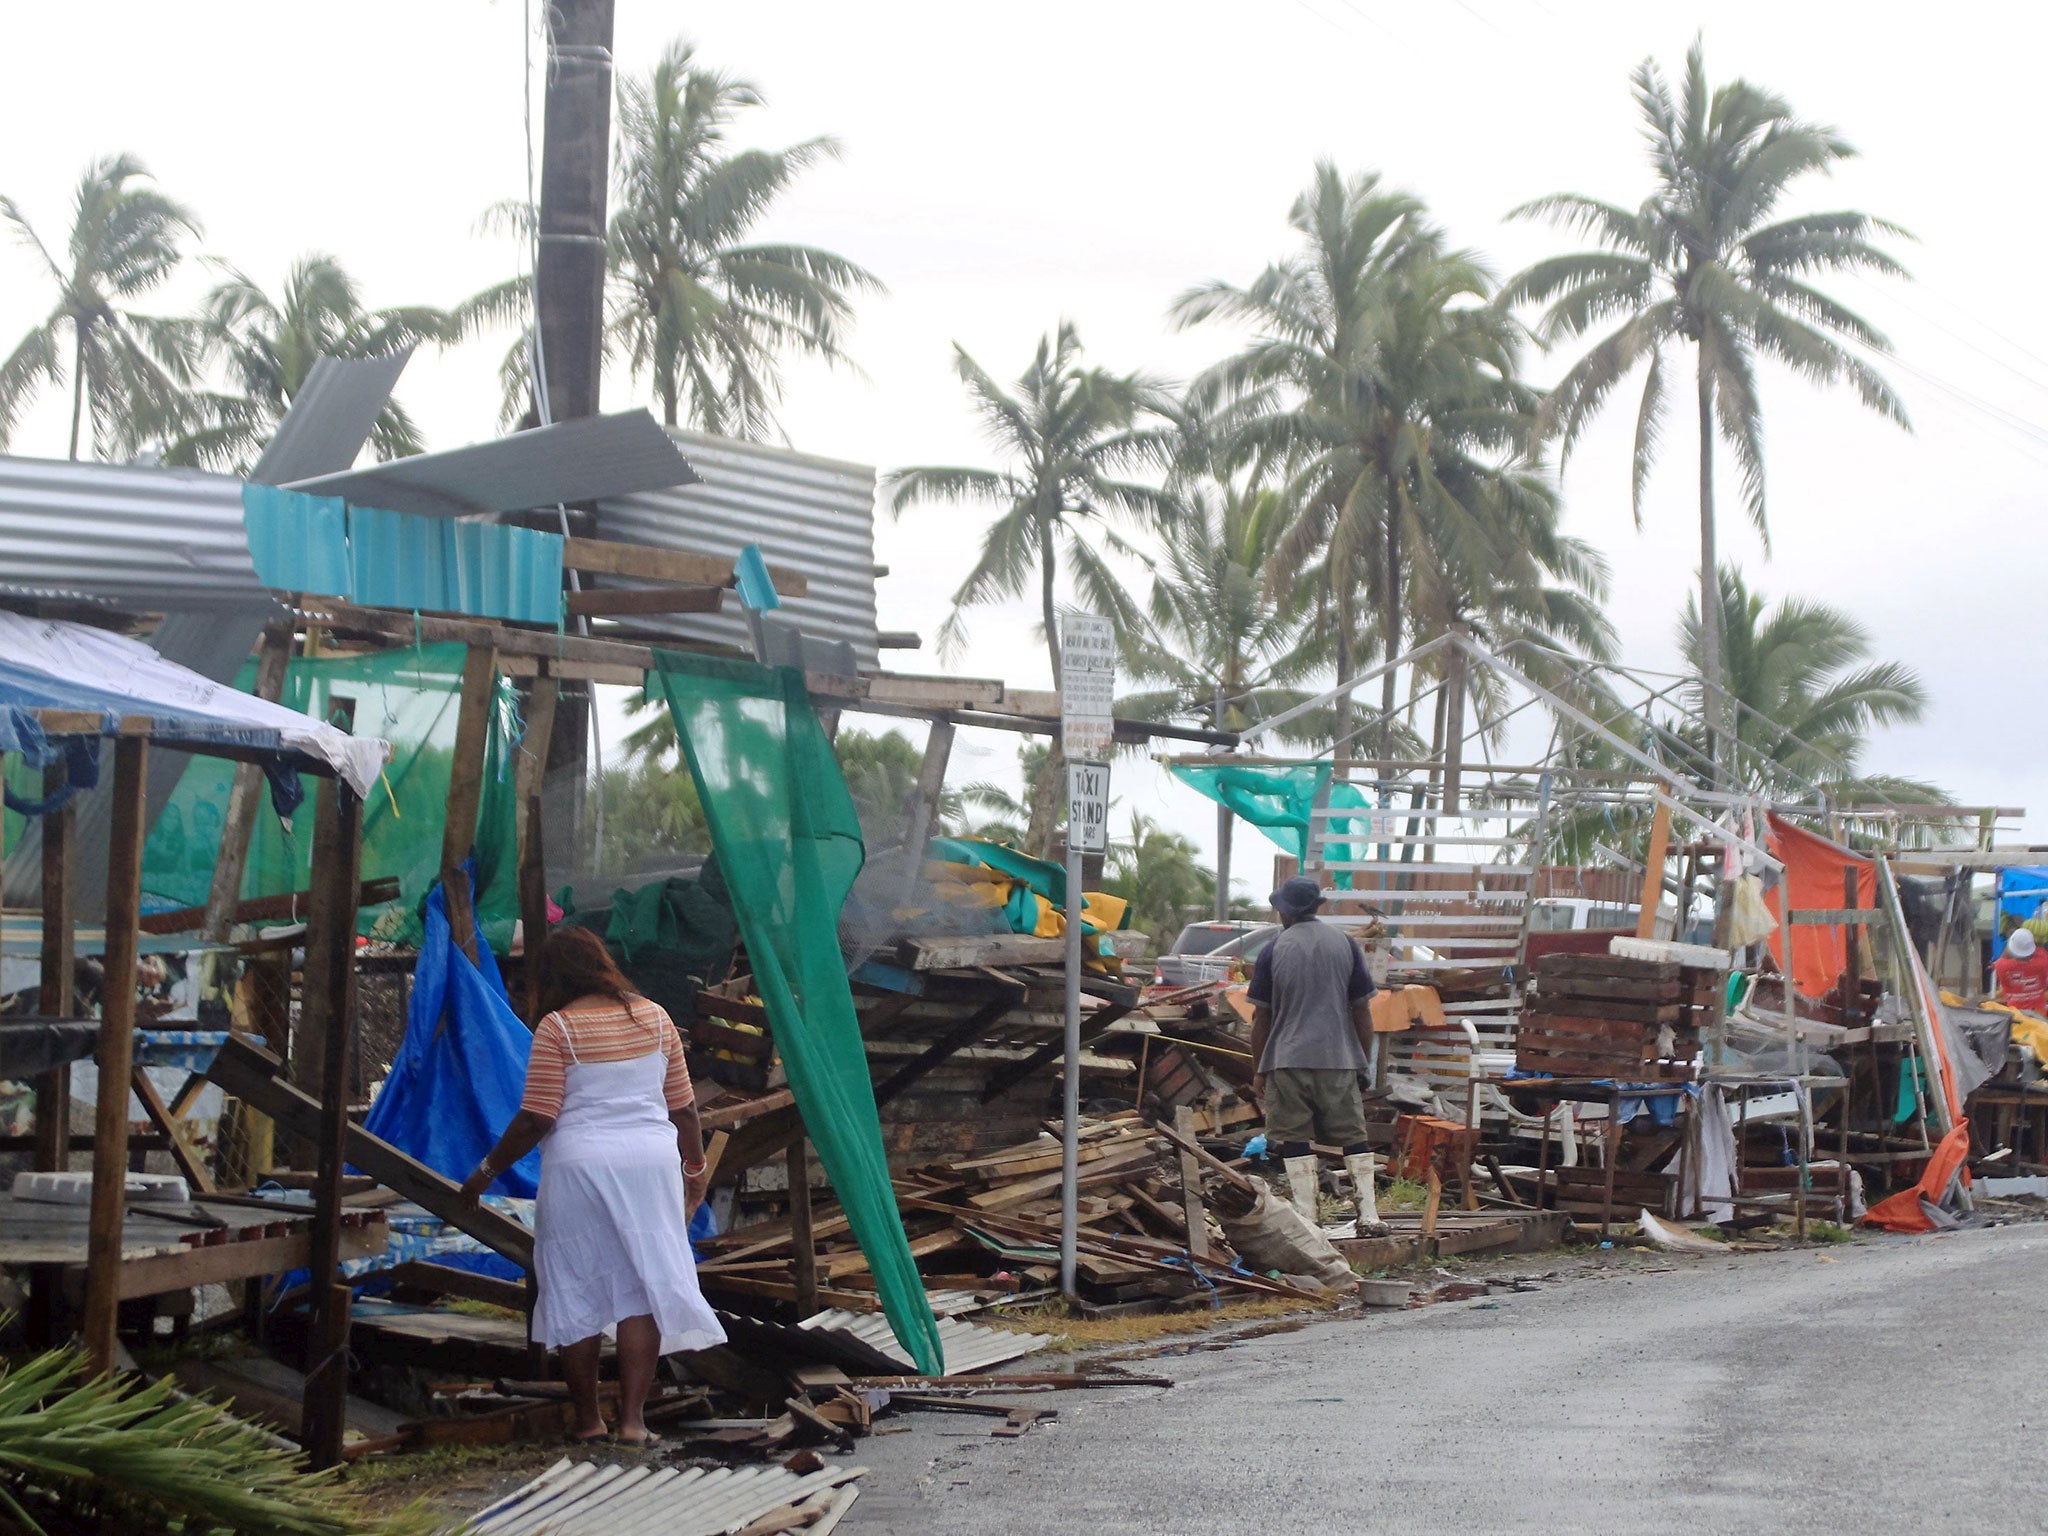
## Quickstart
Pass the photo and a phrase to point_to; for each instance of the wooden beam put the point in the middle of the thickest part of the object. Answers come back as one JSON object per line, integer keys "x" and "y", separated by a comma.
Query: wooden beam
{"x": 931, "y": 789}
{"x": 532, "y": 874}
{"x": 217, "y": 1263}
{"x": 327, "y": 1015}
{"x": 609, "y": 557}
{"x": 1009, "y": 994}
{"x": 54, "y": 996}
{"x": 465, "y": 792}
{"x": 116, "y": 1051}
{"x": 803, "y": 1266}
{"x": 250, "y": 1073}
{"x": 191, "y": 1163}
{"x": 677, "y": 599}
{"x": 1653, "y": 874}
{"x": 54, "y": 1000}
{"x": 445, "y": 1280}
{"x": 1192, "y": 1210}
{"x": 266, "y": 909}
{"x": 245, "y": 797}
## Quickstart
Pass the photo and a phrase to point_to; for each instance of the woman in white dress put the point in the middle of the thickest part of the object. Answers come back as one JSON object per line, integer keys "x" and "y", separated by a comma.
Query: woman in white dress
{"x": 609, "y": 1103}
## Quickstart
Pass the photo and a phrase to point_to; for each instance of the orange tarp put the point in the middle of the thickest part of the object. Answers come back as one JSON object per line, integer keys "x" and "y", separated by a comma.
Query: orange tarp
{"x": 1815, "y": 869}
{"x": 1901, "y": 1212}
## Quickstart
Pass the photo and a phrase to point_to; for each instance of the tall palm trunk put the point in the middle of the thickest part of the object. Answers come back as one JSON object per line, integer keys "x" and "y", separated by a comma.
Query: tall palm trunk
{"x": 1347, "y": 652}
{"x": 1045, "y": 794}
{"x": 1710, "y": 584}
{"x": 1224, "y": 823}
{"x": 77, "y": 382}
{"x": 1392, "y": 622}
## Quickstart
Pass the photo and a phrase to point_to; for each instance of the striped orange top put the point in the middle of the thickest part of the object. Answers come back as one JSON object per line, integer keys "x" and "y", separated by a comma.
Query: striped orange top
{"x": 602, "y": 1030}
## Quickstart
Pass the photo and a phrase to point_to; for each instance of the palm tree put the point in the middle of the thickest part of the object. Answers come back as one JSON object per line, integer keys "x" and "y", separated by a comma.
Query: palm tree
{"x": 1387, "y": 385}
{"x": 1072, "y": 433}
{"x": 126, "y": 370}
{"x": 1703, "y": 261}
{"x": 1807, "y": 697}
{"x": 694, "y": 305}
{"x": 1159, "y": 873}
{"x": 267, "y": 347}
{"x": 1224, "y": 645}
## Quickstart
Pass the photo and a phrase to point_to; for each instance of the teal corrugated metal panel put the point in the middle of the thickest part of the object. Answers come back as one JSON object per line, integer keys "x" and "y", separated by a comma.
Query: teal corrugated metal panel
{"x": 298, "y": 543}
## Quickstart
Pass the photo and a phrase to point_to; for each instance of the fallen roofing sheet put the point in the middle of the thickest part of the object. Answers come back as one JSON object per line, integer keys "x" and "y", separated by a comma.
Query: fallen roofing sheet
{"x": 968, "y": 1346}
{"x": 586, "y": 1498}
{"x": 582, "y": 460}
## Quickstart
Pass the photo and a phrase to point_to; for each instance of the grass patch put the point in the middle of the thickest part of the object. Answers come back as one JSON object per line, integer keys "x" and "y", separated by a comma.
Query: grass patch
{"x": 1828, "y": 1232}
{"x": 457, "y": 1478}
{"x": 1070, "y": 1332}
{"x": 1404, "y": 1195}
{"x": 469, "y": 1308}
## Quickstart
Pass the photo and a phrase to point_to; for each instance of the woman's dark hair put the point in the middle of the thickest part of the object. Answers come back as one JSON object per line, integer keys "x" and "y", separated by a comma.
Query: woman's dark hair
{"x": 574, "y": 963}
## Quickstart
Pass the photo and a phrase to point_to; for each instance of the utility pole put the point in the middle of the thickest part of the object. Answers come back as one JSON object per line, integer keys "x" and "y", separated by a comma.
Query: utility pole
{"x": 569, "y": 302}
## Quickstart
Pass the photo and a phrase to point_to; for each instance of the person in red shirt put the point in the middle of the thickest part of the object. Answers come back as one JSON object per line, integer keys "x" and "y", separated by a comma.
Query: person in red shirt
{"x": 2022, "y": 974}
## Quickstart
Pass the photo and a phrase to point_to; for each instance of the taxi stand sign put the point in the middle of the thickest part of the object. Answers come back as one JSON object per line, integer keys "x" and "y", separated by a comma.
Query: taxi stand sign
{"x": 1088, "y": 807}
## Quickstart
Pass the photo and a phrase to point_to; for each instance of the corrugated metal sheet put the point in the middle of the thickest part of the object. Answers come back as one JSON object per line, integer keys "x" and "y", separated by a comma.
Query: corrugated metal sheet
{"x": 571, "y": 461}
{"x": 811, "y": 515}
{"x": 587, "y": 1498}
{"x": 968, "y": 1347}
{"x": 330, "y": 418}
{"x": 138, "y": 535}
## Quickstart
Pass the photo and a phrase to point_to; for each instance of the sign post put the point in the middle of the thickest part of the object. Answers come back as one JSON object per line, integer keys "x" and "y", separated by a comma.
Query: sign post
{"x": 1087, "y": 737}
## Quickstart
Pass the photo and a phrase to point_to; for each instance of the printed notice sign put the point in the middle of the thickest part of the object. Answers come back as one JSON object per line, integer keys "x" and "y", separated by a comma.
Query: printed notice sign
{"x": 1087, "y": 687}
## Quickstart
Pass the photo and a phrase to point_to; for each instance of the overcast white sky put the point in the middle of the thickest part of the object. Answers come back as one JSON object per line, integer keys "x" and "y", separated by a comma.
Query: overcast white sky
{"x": 1006, "y": 167}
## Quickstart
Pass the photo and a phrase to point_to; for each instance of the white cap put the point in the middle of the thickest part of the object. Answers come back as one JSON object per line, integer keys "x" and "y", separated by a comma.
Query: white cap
{"x": 2019, "y": 943}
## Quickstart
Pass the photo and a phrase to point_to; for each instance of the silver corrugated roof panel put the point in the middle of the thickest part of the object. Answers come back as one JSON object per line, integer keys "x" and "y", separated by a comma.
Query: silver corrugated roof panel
{"x": 583, "y": 460}
{"x": 810, "y": 515}
{"x": 142, "y": 536}
{"x": 968, "y": 1347}
{"x": 330, "y": 418}
{"x": 581, "y": 1498}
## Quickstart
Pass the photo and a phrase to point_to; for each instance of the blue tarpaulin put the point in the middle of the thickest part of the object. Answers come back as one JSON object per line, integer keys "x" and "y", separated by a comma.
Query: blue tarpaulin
{"x": 462, "y": 1065}
{"x": 2021, "y": 891}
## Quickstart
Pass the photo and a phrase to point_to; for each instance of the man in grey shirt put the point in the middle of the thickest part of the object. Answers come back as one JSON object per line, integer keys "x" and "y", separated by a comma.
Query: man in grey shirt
{"x": 1311, "y": 1031}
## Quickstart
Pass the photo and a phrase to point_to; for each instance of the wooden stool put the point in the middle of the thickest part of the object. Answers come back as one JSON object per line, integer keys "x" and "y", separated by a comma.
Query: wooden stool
{"x": 1431, "y": 1151}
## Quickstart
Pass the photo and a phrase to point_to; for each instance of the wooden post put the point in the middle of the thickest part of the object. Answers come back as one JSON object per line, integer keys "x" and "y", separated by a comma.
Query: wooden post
{"x": 1852, "y": 946}
{"x": 326, "y": 1016}
{"x": 54, "y": 1000}
{"x": 1192, "y": 1210}
{"x": 116, "y": 1052}
{"x": 804, "y": 1244}
{"x": 245, "y": 798}
{"x": 533, "y": 883}
{"x": 1653, "y": 873}
{"x": 465, "y": 791}
{"x": 54, "y": 993}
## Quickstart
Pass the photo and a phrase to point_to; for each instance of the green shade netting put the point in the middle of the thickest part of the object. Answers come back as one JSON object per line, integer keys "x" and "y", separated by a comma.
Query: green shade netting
{"x": 788, "y": 843}
{"x": 1278, "y": 800}
{"x": 411, "y": 699}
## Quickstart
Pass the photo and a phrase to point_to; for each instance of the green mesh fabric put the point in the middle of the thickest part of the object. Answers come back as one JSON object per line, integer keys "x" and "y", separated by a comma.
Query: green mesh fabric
{"x": 411, "y": 699}
{"x": 1278, "y": 800}
{"x": 789, "y": 844}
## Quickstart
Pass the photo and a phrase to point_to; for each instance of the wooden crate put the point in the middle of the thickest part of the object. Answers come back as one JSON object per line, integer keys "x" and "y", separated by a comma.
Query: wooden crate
{"x": 1582, "y": 1191}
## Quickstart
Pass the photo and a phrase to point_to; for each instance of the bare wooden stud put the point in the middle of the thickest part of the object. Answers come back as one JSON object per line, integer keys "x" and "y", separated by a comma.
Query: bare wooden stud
{"x": 116, "y": 1052}
{"x": 1653, "y": 873}
{"x": 465, "y": 791}
{"x": 245, "y": 797}
{"x": 804, "y": 1244}
{"x": 326, "y": 1016}
{"x": 1192, "y": 1210}
{"x": 55, "y": 986}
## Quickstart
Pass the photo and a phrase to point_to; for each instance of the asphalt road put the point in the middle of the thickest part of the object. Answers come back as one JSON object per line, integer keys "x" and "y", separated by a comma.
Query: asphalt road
{"x": 1889, "y": 1385}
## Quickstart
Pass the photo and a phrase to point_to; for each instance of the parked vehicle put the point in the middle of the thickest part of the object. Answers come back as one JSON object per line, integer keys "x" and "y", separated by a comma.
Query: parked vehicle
{"x": 1195, "y": 941}
{"x": 1238, "y": 955}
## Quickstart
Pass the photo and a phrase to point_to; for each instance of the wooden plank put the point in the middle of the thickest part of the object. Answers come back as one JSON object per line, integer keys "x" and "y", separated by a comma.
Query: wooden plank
{"x": 1009, "y": 994}
{"x": 803, "y": 1268}
{"x": 465, "y": 791}
{"x": 1605, "y": 1008}
{"x": 541, "y": 700}
{"x": 610, "y": 557}
{"x": 59, "y": 961}
{"x": 1617, "y": 988}
{"x": 116, "y": 1050}
{"x": 218, "y": 1263}
{"x": 1193, "y": 1213}
{"x": 245, "y": 798}
{"x": 250, "y": 1073}
{"x": 264, "y": 909}
{"x": 183, "y": 1151}
{"x": 1652, "y": 896}
{"x": 327, "y": 1015}
{"x": 1619, "y": 966}
{"x": 690, "y": 598}
{"x": 445, "y": 1280}
{"x": 959, "y": 954}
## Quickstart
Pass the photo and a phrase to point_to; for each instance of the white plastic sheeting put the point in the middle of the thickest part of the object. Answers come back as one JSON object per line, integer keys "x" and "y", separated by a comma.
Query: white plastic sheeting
{"x": 55, "y": 664}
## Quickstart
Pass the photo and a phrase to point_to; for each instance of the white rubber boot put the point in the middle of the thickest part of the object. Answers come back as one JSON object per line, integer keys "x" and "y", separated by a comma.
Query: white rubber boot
{"x": 1361, "y": 1167}
{"x": 1302, "y": 1184}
